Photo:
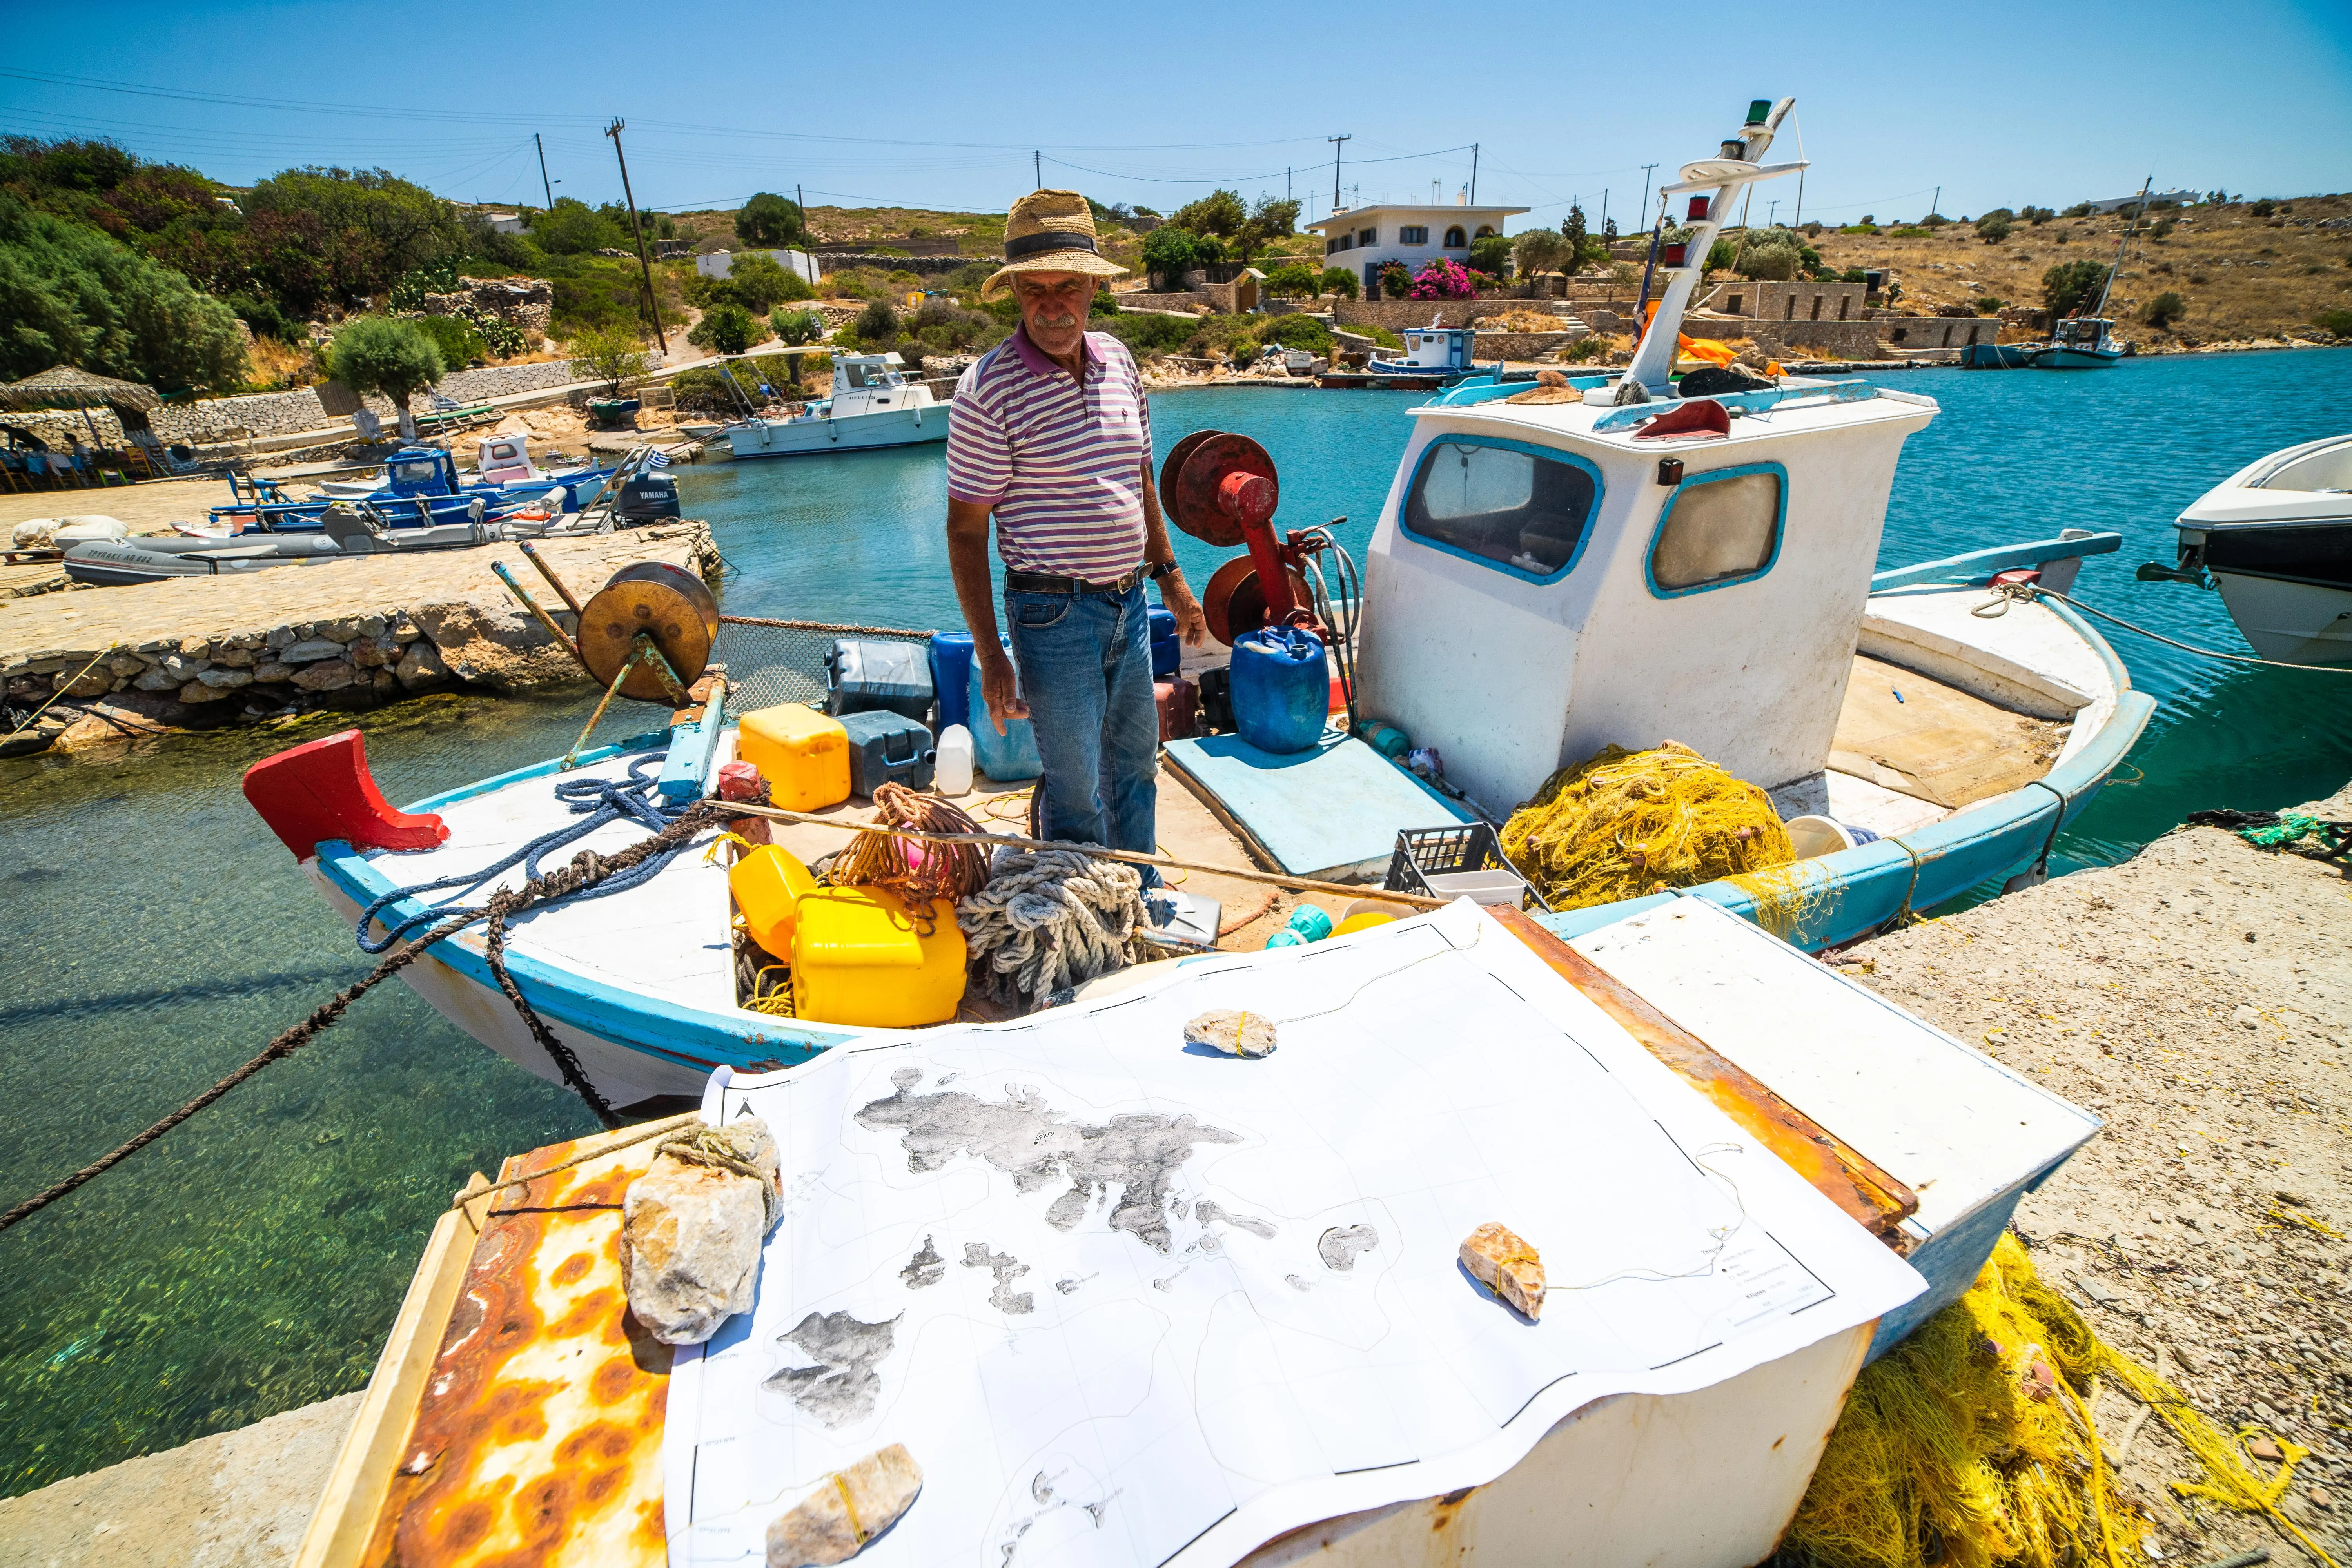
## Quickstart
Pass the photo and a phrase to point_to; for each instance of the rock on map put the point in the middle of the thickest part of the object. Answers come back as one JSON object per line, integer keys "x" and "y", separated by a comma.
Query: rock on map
{"x": 1133, "y": 1303}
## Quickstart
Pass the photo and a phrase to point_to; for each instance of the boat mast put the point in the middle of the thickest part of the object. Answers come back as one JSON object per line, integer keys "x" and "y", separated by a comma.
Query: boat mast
{"x": 1733, "y": 168}
{"x": 2100, "y": 310}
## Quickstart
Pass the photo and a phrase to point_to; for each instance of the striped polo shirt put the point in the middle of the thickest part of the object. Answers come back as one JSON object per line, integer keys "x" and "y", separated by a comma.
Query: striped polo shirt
{"x": 1058, "y": 460}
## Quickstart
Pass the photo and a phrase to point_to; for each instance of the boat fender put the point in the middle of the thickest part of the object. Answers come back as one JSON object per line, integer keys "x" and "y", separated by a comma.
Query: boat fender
{"x": 322, "y": 790}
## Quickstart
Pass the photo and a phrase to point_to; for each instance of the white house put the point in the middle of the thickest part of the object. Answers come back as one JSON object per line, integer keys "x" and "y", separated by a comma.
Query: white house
{"x": 2117, "y": 204}
{"x": 720, "y": 263}
{"x": 1365, "y": 239}
{"x": 505, "y": 223}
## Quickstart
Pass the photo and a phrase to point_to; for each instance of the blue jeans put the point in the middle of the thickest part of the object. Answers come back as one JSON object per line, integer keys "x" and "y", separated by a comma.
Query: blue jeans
{"x": 1086, "y": 673}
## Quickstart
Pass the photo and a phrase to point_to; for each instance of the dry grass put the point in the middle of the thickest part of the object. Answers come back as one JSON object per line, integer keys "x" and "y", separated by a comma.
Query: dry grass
{"x": 2243, "y": 277}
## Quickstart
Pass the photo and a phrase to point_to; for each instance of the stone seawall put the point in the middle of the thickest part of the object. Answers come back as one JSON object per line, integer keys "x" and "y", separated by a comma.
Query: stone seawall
{"x": 200, "y": 652}
{"x": 925, "y": 265}
{"x": 1398, "y": 314}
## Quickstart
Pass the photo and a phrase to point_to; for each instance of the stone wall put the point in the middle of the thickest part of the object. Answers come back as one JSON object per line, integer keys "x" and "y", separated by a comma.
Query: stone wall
{"x": 1912, "y": 332}
{"x": 1189, "y": 300}
{"x": 836, "y": 260}
{"x": 195, "y": 652}
{"x": 525, "y": 302}
{"x": 1398, "y": 314}
{"x": 1794, "y": 304}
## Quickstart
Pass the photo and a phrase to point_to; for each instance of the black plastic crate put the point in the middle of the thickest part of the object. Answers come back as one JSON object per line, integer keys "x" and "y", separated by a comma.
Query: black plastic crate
{"x": 1447, "y": 862}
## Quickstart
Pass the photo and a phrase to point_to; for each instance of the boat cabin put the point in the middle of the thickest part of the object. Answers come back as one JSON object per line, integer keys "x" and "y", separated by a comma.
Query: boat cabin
{"x": 505, "y": 461}
{"x": 1552, "y": 577}
{"x": 419, "y": 472}
{"x": 2091, "y": 334}
{"x": 872, "y": 383}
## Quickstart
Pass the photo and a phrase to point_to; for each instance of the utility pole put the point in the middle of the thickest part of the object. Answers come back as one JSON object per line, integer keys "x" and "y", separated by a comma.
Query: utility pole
{"x": 653, "y": 304}
{"x": 1771, "y": 207}
{"x": 1335, "y": 142}
{"x": 1037, "y": 164}
{"x": 542, "y": 169}
{"x": 1645, "y": 187}
{"x": 1939, "y": 201}
{"x": 1603, "y": 230}
{"x": 1473, "y": 174}
{"x": 1286, "y": 185}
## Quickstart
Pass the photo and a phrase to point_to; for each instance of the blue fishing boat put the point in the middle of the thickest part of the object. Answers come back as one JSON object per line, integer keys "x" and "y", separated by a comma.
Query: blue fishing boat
{"x": 419, "y": 488}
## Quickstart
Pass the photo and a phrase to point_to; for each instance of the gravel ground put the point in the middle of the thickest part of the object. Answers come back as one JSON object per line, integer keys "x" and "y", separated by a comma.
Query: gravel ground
{"x": 2198, "y": 998}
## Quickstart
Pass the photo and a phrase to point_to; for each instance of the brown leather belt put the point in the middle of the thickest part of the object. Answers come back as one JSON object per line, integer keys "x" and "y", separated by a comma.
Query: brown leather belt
{"x": 1047, "y": 583}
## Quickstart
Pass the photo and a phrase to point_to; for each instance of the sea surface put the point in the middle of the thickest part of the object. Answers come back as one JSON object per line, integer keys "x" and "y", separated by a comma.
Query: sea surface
{"x": 153, "y": 935}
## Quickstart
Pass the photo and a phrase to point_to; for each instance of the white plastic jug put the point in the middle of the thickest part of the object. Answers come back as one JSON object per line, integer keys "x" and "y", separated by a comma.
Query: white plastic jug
{"x": 953, "y": 775}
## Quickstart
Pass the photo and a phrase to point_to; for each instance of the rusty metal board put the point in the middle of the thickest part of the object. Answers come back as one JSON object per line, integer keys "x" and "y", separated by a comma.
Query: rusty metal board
{"x": 538, "y": 1435}
{"x": 1868, "y": 1195}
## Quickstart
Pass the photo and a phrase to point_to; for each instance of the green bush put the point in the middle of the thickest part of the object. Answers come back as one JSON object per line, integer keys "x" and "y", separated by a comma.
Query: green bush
{"x": 1104, "y": 303}
{"x": 1994, "y": 227}
{"x": 377, "y": 354}
{"x": 1776, "y": 261}
{"x": 2164, "y": 309}
{"x": 1396, "y": 283}
{"x": 726, "y": 330}
{"x": 2036, "y": 216}
{"x": 572, "y": 227}
{"x": 2080, "y": 209}
{"x": 2071, "y": 284}
{"x": 1934, "y": 220}
{"x": 1291, "y": 280}
{"x": 878, "y": 323}
{"x": 1582, "y": 348}
{"x": 1989, "y": 305}
{"x": 768, "y": 219}
{"x": 798, "y": 327}
{"x": 757, "y": 282}
{"x": 1218, "y": 212}
{"x": 2264, "y": 208}
{"x": 2339, "y": 323}
{"x": 455, "y": 337}
{"x": 1491, "y": 254}
{"x": 1540, "y": 251}
{"x": 1337, "y": 280}
{"x": 1910, "y": 231}
{"x": 612, "y": 355}
{"x": 71, "y": 295}
{"x": 1147, "y": 333}
{"x": 1169, "y": 252}
{"x": 1296, "y": 331}
{"x": 2161, "y": 229}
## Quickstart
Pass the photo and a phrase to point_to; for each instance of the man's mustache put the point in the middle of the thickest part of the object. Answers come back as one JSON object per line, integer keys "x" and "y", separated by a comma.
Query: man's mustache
{"x": 1067, "y": 319}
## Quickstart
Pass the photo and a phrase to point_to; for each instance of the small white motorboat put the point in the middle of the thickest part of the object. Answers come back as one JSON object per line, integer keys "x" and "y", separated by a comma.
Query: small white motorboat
{"x": 2276, "y": 538}
{"x": 872, "y": 405}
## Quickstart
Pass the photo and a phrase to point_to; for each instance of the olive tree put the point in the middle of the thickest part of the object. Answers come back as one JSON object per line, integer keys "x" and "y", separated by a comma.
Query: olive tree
{"x": 610, "y": 355}
{"x": 395, "y": 358}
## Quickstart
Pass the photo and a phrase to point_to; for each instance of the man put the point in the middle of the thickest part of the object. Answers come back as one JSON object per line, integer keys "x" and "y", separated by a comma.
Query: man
{"x": 1053, "y": 437}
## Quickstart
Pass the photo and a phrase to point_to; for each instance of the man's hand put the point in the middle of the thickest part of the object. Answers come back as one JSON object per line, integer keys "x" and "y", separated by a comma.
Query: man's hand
{"x": 997, "y": 687}
{"x": 1192, "y": 623}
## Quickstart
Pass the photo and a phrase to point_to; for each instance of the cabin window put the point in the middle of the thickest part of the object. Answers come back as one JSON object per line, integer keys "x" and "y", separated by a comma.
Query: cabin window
{"x": 1414, "y": 234}
{"x": 1506, "y": 505}
{"x": 1719, "y": 529}
{"x": 1455, "y": 239}
{"x": 416, "y": 473}
{"x": 1368, "y": 237}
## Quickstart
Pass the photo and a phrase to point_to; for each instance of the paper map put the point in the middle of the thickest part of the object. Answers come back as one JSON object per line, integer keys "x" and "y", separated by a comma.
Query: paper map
{"x": 1133, "y": 1302}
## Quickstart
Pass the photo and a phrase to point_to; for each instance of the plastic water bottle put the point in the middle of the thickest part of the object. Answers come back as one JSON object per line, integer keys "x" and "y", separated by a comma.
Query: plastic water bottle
{"x": 954, "y": 766}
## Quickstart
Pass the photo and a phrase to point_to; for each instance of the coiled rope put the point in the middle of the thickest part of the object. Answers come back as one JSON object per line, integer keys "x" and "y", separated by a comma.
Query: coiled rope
{"x": 585, "y": 870}
{"x": 1050, "y": 918}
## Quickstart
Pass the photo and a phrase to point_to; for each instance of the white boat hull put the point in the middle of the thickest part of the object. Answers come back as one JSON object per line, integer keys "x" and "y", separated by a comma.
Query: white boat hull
{"x": 857, "y": 433}
{"x": 2294, "y": 623}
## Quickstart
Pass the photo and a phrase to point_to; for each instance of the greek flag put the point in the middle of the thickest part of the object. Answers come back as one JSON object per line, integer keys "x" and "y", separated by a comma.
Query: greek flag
{"x": 660, "y": 459}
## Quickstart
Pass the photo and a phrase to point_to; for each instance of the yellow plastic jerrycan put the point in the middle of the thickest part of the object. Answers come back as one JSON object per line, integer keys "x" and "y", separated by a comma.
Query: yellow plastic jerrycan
{"x": 767, "y": 884}
{"x": 803, "y": 754}
{"x": 861, "y": 956}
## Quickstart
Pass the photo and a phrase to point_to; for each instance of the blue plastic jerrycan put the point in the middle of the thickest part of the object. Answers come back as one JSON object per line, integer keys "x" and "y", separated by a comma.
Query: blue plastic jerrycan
{"x": 1282, "y": 688}
{"x": 1007, "y": 758}
{"x": 950, "y": 659}
{"x": 1167, "y": 651}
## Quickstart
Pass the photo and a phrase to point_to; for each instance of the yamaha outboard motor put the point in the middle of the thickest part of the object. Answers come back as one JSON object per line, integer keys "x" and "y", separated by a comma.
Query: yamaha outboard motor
{"x": 646, "y": 497}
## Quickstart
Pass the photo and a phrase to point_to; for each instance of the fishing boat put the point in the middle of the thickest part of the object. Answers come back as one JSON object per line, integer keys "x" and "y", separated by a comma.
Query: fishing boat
{"x": 419, "y": 486}
{"x": 2275, "y": 538}
{"x": 1435, "y": 357}
{"x": 501, "y": 463}
{"x": 1557, "y": 569}
{"x": 2084, "y": 341}
{"x": 872, "y": 405}
{"x": 1998, "y": 356}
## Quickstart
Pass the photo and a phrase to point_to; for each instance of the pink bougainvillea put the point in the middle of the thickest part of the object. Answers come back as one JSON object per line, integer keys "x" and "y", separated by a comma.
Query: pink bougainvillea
{"x": 1442, "y": 279}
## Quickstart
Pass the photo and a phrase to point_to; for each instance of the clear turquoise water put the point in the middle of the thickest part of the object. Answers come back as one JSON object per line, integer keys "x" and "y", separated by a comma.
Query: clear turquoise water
{"x": 152, "y": 934}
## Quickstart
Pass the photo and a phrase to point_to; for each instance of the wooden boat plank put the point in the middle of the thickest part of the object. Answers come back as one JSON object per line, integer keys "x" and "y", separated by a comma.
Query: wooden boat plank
{"x": 1939, "y": 744}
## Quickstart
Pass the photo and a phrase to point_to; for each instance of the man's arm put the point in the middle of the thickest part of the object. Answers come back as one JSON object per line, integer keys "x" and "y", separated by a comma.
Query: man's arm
{"x": 1191, "y": 625}
{"x": 967, "y": 561}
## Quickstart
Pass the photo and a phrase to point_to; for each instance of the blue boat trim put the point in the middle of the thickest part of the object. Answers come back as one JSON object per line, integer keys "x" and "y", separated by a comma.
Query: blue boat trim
{"x": 1981, "y": 566}
{"x": 1747, "y": 402}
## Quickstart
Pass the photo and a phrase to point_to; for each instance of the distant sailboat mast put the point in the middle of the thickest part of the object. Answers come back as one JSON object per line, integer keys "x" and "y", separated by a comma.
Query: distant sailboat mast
{"x": 2121, "y": 244}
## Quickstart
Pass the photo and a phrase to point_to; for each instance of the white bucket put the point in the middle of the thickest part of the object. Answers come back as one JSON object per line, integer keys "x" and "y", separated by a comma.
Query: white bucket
{"x": 1817, "y": 835}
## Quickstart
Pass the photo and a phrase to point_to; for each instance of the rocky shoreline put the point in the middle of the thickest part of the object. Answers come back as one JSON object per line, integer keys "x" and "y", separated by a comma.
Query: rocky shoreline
{"x": 131, "y": 664}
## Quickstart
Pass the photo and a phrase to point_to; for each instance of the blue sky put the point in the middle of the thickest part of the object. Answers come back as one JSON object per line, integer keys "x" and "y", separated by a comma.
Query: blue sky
{"x": 943, "y": 106}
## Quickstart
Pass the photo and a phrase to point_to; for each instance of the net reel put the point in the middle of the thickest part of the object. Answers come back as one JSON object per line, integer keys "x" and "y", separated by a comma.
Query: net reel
{"x": 1222, "y": 489}
{"x": 669, "y": 606}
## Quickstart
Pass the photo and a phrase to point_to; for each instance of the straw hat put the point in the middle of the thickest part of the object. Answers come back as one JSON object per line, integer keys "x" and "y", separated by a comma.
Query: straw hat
{"x": 1049, "y": 231}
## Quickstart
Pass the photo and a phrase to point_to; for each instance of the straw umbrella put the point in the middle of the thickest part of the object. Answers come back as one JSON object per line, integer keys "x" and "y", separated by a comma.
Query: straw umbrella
{"x": 67, "y": 387}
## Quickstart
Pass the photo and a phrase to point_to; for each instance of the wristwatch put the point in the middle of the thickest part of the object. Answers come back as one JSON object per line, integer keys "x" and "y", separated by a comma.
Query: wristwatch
{"x": 1162, "y": 572}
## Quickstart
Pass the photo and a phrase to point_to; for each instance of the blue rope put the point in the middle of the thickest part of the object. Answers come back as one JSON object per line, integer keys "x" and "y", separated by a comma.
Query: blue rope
{"x": 596, "y": 802}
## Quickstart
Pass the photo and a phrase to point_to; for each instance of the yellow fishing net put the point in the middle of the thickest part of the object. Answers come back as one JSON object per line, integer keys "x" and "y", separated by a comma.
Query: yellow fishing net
{"x": 1971, "y": 1445}
{"x": 1626, "y": 824}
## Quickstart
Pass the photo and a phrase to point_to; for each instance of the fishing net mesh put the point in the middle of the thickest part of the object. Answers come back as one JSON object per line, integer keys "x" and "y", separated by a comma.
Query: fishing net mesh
{"x": 772, "y": 661}
{"x": 1972, "y": 1445}
{"x": 1626, "y": 824}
